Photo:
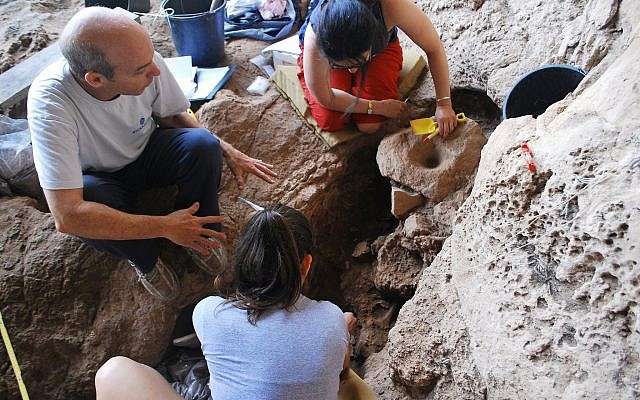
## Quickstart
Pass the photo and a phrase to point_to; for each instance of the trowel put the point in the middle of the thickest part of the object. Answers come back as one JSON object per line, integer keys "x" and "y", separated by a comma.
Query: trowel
{"x": 254, "y": 206}
{"x": 429, "y": 126}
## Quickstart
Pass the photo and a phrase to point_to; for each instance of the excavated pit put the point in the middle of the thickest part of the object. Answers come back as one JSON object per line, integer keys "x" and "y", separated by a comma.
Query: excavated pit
{"x": 356, "y": 213}
{"x": 476, "y": 105}
{"x": 351, "y": 217}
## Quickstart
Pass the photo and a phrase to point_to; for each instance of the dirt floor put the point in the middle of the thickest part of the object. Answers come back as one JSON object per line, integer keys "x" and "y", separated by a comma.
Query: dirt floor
{"x": 28, "y": 26}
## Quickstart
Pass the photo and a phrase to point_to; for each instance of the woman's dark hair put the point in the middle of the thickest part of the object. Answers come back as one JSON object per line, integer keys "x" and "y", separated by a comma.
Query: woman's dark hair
{"x": 267, "y": 262}
{"x": 348, "y": 28}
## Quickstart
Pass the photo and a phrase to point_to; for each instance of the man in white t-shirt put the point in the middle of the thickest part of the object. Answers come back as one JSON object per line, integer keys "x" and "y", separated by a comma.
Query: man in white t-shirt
{"x": 109, "y": 122}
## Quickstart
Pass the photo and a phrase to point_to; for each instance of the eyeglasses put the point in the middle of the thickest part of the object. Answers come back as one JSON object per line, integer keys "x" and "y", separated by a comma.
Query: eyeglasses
{"x": 356, "y": 65}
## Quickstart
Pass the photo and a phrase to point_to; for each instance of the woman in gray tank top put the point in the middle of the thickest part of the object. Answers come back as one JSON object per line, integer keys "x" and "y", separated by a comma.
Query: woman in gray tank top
{"x": 351, "y": 62}
{"x": 263, "y": 340}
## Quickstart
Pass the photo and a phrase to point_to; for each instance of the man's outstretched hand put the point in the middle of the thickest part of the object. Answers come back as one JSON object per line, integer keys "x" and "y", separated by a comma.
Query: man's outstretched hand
{"x": 184, "y": 228}
{"x": 241, "y": 165}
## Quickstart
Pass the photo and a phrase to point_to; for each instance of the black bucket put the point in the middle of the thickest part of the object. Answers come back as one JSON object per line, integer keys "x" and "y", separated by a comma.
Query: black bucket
{"x": 196, "y": 31}
{"x": 539, "y": 89}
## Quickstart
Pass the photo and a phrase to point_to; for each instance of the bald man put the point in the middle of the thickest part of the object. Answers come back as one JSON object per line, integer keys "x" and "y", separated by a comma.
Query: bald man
{"x": 108, "y": 122}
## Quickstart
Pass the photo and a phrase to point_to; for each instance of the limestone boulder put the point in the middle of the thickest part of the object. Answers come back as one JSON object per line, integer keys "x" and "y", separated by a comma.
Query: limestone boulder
{"x": 407, "y": 251}
{"x": 490, "y": 43}
{"x": 540, "y": 276}
{"x": 434, "y": 168}
{"x": 429, "y": 351}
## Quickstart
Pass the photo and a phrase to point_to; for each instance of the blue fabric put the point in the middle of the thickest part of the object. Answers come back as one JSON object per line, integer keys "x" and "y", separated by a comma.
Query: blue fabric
{"x": 287, "y": 355}
{"x": 251, "y": 25}
{"x": 311, "y": 10}
{"x": 188, "y": 157}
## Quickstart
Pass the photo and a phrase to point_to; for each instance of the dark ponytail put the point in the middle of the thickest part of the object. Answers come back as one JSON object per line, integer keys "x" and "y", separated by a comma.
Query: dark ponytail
{"x": 268, "y": 258}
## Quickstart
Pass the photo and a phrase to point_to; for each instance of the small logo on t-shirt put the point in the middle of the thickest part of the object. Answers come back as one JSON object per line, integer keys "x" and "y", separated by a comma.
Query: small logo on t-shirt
{"x": 139, "y": 128}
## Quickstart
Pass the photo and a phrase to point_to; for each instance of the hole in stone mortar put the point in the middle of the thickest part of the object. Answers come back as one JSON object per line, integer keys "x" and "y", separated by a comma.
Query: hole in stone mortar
{"x": 432, "y": 160}
{"x": 425, "y": 154}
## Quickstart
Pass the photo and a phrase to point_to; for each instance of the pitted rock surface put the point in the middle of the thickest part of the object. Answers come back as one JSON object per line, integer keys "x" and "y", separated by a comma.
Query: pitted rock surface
{"x": 543, "y": 269}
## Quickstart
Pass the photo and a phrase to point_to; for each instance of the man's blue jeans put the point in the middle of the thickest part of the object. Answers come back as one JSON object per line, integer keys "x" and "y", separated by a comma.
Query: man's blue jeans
{"x": 190, "y": 158}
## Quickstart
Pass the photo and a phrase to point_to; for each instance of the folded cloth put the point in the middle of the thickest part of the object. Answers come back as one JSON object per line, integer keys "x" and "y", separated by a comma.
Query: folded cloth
{"x": 251, "y": 24}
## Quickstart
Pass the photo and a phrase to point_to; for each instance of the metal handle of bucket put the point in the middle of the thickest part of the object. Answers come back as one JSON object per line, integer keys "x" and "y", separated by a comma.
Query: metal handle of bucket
{"x": 140, "y": 6}
{"x": 170, "y": 11}
{"x": 215, "y": 4}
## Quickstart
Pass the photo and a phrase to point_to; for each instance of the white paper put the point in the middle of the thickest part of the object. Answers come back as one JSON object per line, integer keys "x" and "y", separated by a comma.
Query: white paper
{"x": 290, "y": 45}
{"x": 183, "y": 70}
{"x": 259, "y": 86}
{"x": 207, "y": 79}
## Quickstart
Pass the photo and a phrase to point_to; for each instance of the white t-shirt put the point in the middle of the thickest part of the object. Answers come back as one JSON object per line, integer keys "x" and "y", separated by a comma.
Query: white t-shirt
{"x": 72, "y": 131}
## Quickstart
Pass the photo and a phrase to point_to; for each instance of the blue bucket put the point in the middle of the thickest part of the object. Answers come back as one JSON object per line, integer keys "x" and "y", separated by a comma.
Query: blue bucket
{"x": 539, "y": 89}
{"x": 196, "y": 31}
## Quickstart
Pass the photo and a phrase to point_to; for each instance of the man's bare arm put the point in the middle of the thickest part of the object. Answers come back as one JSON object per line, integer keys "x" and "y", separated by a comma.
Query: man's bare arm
{"x": 182, "y": 120}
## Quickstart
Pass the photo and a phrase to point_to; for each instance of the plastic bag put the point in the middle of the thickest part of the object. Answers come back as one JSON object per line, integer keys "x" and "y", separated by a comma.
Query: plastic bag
{"x": 272, "y": 9}
{"x": 259, "y": 86}
{"x": 195, "y": 384}
{"x": 16, "y": 157}
{"x": 250, "y": 23}
{"x": 194, "y": 391}
{"x": 15, "y": 147}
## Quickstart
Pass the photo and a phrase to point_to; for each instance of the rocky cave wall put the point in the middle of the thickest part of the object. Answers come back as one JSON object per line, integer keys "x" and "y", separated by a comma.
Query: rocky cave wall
{"x": 534, "y": 295}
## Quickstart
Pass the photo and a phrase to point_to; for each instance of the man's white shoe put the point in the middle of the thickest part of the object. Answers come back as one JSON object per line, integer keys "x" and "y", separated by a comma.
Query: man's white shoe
{"x": 161, "y": 282}
{"x": 213, "y": 264}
